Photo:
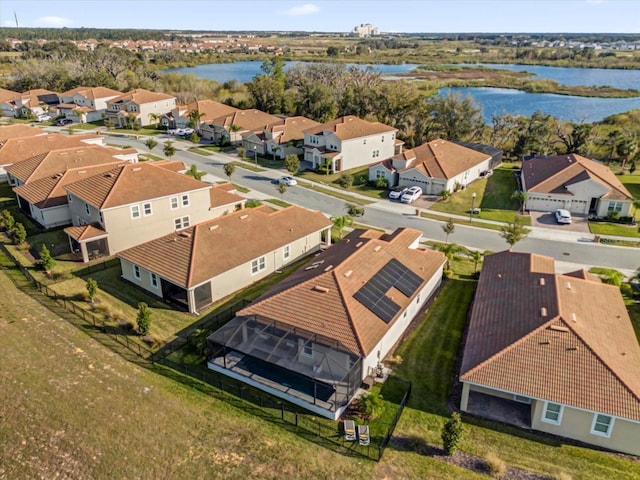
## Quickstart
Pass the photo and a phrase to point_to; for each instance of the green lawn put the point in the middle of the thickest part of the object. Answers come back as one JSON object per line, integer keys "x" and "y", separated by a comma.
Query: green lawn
{"x": 247, "y": 166}
{"x": 6, "y": 192}
{"x": 602, "y": 228}
{"x": 333, "y": 193}
{"x": 493, "y": 197}
{"x": 360, "y": 184}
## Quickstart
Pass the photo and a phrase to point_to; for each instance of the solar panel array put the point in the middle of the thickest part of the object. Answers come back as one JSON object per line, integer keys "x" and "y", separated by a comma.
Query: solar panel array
{"x": 372, "y": 295}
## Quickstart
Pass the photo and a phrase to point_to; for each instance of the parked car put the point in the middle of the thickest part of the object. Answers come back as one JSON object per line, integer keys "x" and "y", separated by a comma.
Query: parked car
{"x": 61, "y": 122}
{"x": 288, "y": 181}
{"x": 486, "y": 173}
{"x": 397, "y": 192}
{"x": 562, "y": 216}
{"x": 43, "y": 117}
{"x": 411, "y": 195}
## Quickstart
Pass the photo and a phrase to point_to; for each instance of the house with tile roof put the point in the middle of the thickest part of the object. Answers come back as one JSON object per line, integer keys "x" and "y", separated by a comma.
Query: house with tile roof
{"x": 349, "y": 142}
{"x": 574, "y": 183}
{"x": 553, "y": 352}
{"x": 134, "y": 203}
{"x": 18, "y": 130}
{"x": 314, "y": 337}
{"x": 36, "y": 102}
{"x": 230, "y": 127}
{"x": 18, "y": 148}
{"x": 435, "y": 166}
{"x": 142, "y": 106}
{"x": 280, "y": 139}
{"x": 205, "y": 110}
{"x": 86, "y": 104}
{"x": 196, "y": 266}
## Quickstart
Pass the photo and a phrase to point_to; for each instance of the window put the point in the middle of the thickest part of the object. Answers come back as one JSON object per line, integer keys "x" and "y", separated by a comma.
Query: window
{"x": 380, "y": 174}
{"x": 181, "y": 222}
{"x": 146, "y": 208}
{"x": 393, "y": 136}
{"x": 136, "y": 271}
{"x": 522, "y": 399}
{"x": 174, "y": 203}
{"x": 101, "y": 218}
{"x": 135, "y": 211}
{"x": 552, "y": 413}
{"x": 364, "y": 142}
{"x": 307, "y": 349}
{"x": 602, "y": 425}
{"x": 615, "y": 207}
{"x": 258, "y": 265}
{"x": 376, "y": 153}
{"x": 185, "y": 200}
{"x": 87, "y": 209}
{"x": 382, "y": 139}
{"x": 286, "y": 253}
{"x": 69, "y": 197}
{"x": 154, "y": 280}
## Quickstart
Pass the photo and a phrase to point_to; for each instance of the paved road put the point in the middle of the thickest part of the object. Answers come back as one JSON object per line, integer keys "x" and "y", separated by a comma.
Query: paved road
{"x": 562, "y": 246}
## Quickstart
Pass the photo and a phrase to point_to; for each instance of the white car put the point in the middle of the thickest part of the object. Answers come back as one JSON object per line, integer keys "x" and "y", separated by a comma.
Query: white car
{"x": 44, "y": 117}
{"x": 288, "y": 181}
{"x": 397, "y": 192}
{"x": 562, "y": 216}
{"x": 411, "y": 195}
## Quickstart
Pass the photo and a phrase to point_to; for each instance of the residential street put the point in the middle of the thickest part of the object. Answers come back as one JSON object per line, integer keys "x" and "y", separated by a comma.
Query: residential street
{"x": 563, "y": 246}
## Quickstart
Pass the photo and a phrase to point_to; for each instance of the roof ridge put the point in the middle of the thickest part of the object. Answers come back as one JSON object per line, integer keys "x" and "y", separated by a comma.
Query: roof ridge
{"x": 192, "y": 256}
{"x": 113, "y": 184}
{"x": 334, "y": 274}
{"x": 562, "y": 170}
{"x": 585, "y": 165}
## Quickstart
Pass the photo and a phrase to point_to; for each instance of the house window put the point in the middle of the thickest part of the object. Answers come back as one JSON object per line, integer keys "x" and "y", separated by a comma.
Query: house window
{"x": 307, "y": 349}
{"x": 286, "y": 252}
{"x": 146, "y": 208}
{"x": 382, "y": 139}
{"x": 418, "y": 299}
{"x": 136, "y": 271}
{"x": 135, "y": 211}
{"x": 552, "y": 413}
{"x": 522, "y": 399}
{"x": 87, "y": 209}
{"x": 364, "y": 142}
{"x": 69, "y": 197}
{"x": 393, "y": 136}
{"x": 154, "y": 280}
{"x": 602, "y": 425}
{"x": 380, "y": 174}
{"x": 185, "y": 200}
{"x": 258, "y": 265}
{"x": 615, "y": 207}
{"x": 101, "y": 218}
{"x": 181, "y": 222}
{"x": 174, "y": 203}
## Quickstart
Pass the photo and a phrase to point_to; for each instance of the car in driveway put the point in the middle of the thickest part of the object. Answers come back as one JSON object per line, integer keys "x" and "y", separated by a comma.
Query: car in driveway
{"x": 61, "y": 122}
{"x": 411, "y": 195}
{"x": 397, "y": 192}
{"x": 288, "y": 181}
{"x": 562, "y": 216}
{"x": 44, "y": 117}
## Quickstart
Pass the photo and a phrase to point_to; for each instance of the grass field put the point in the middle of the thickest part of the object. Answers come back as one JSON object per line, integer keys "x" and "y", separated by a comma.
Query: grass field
{"x": 360, "y": 184}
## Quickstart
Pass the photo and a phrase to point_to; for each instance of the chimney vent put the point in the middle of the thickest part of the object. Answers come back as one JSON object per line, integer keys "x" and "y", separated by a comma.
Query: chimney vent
{"x": 543, "y": 312}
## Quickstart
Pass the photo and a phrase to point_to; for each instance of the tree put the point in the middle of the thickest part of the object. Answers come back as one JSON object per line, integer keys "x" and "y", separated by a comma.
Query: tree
{"x": 522, "y": 197}
{"x": 169, "y": 150}
{"x": 514, "y": 232}
{"x": 8, "y": 220}
{"x": 448, "y": 228}
{"x": 143, "y": 319}
{"x": 450, "y": 251}
{"x": 372, "y": 404}
{"x": 19, "y": 234}
{"x": 354, "y": 210}
{"x": 346, "y": 180}
{"x": 242, "y": 153}
{"x": 193, "y": 172}
{"x": 92, "y": 289}
{"x": 452, "y": 433}
{"x": 476, "y": 256}
{"x": 194, "y": 118}
{"x": 194, "y": 138}
{"x": 229, "y": 168}
{"x": 46, "y": 261}
{"x": 155, "y": 117}
{"x": 333, "y": 51}
{"x": 340, "y": 223}
{"x": 281, "y": 188}
{"x": 292, "y": 163}
{"x": 151, "y": 143}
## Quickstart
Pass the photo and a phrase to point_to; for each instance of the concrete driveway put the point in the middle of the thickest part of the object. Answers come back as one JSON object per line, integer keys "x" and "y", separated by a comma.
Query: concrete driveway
{"x": 548, "y": 220}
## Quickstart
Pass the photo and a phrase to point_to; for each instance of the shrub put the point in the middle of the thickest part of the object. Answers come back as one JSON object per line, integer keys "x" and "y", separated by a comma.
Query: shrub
{"x": 496, "y": 465}
{"x": 452, "y": 433}
{"x": 92, "y": 289}
{"x": 345, "y": 180}
{"x": 381, "y": 182}
{"x": 195, "y": 138}
{"x": 372, "y": 404}
{"x": 19, "y": 234}
{"x": 46, "y": 261}
{"x": 252, "y": 203}
{"x": 143, "y": 319}
{"x": 7, "y": 220}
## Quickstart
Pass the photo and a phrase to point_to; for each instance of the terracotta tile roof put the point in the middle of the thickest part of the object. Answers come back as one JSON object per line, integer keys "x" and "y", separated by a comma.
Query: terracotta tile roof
{"x": 58, "y": 161}
{"x": 224, "y": 194}
{"x": 140, "y": 96}
{"x": 92, "y": 92}
{"x": 133, "y": 183}
{"x": 8, "y": 95}
{"x": 291, "y": 128}
{"x": 209, "y": 109}
{"x": 326, "y": 293}
{"x": 561, "y": 338}
{"x": 85, "y": 232}
{"x": 173, "y": 165}
{"x": 15, "y": 150}
{"x": 246, "y": 120}
{"x": 350, "y": 126}
{"x": 18, "y": 130}
{"x": 198, "y": 253}
{"x": 443, "y": 159}
{"x": 35, "y": 97}
{"x": 553, "y": 174}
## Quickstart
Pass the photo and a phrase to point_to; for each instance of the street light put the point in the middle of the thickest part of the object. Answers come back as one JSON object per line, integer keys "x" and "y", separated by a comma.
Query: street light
{"x": 255, "y": 154}
{"x": 473, "y": 201}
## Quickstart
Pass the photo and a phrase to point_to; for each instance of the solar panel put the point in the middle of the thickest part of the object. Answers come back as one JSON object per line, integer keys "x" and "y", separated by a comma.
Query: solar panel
{"x": 373, "y": 293}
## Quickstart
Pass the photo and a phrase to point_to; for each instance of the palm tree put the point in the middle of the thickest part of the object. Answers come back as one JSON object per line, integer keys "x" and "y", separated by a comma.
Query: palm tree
{"x": 341, "y": 222}
{"x": 151, "y": 143}
{"x": 522, "y": 197}
{"x": 229, "y": 168}
{"x": 169, "y": 150}
{"x": 194, "y": 118}
{"x": 448, "y": 228}
{"x": 155, "y": 117}
{"x": 450, "y": 251}
{"x": 282, "y": 189}
{"x": 514, "y": 232}
{"x": 193, "y": 172}
{"x": 476, "y": 256}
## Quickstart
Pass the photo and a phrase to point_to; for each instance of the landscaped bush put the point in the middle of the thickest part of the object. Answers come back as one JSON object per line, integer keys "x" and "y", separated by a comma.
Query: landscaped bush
{"x": 496, "y": 465}
{"x": 614, "y": 219}
{"x": 346, "y": 180}
{"x": 452, "y": 433}
{"x": 381, "y": 182}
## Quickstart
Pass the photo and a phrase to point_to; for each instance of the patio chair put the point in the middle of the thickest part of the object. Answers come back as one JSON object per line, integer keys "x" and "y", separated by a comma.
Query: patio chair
{"x": 349, "y": 430}
{"x": 363, "y": 435}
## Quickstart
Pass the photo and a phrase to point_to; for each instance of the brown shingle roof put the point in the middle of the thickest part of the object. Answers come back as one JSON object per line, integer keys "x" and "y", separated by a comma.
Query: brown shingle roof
{"x": 443, "y": 159}
{"x": 8, "y": 95}
{"x": 58, "y": 161}
{"x": 209, "y": 109}
{"x": 224, "y": 194}
{"x": 292, "y": 128}
{"x": 17, "y": 149}
{"x": 553, "y": 174}
{"x": 84, "y": 232}
{"x": 133, "y": 183}
{"x": 350, "y": 126}
{"x": 140, "y": 96}
{"x": 246, "y": 119}
{"x": 332, "y": 310}
{"x": 561, "y": 338}
{"x": 18, "y": 130}
{"x": 201, "y": 252}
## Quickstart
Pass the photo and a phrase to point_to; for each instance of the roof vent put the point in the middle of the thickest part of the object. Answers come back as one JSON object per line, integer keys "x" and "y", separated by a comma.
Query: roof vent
{"x": 568, "y": 285}
{"x": 311, "y": 267}
{"x": 558, "y": 328}
{"x": 185, "y": 234}
{"x": 542, "y": 281}
{"x": 348, "y": 273}
{"x": 109, "y": 175}
{"x": 242, "y": 217}
{"x": 213, "y": 227}
{"x": 137, "y": 169}
{"x": 377, "y": 248}
{"x": 320, "y": 289}
{"x": 573, "y": 317}
{"x": 543, "y": 312}
{"x": 572, "y": 349}
{"x": 359, "y": 244}
{"x": 328, "y": 268}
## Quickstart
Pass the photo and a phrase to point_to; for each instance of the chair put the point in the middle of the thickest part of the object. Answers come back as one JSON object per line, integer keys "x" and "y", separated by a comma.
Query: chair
{"x": 363, "y": 435}
{"x": 349, "y": 430}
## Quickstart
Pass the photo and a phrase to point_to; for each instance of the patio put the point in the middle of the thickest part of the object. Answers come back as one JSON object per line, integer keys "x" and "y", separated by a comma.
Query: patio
{"x": 500, "y": 409}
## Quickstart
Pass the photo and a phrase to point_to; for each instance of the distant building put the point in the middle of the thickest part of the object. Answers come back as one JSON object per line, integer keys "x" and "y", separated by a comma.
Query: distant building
{"x": 365, "y": 30}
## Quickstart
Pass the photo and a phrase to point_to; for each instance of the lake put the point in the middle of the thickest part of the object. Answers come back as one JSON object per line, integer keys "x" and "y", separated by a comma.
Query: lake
{"x": 492, "y": 101}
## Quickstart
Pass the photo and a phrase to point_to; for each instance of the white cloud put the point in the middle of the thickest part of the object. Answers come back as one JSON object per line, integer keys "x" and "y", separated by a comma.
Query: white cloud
{"x": 9, "y": 23}
{"x": 306, "y": 9}
{"x": 54, "y": 22}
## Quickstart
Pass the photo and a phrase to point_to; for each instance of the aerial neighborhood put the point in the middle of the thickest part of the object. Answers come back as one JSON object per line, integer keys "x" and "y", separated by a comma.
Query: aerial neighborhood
{"x": 545, "y": 348}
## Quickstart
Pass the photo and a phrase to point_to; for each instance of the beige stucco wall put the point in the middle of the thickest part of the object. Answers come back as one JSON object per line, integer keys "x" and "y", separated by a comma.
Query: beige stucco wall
{"x": 144, "y": 281}
{"x": 51, "y": 217}
{"x": 373, "y": 174}
{"x": 357, "y": 153}
{"x": 414, "y": 177}
{"x": 159, "y": 108}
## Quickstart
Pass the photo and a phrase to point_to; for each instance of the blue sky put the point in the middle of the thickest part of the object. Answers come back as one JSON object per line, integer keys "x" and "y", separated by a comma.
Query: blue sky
{"x": 591, "y": 16}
